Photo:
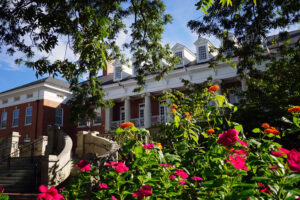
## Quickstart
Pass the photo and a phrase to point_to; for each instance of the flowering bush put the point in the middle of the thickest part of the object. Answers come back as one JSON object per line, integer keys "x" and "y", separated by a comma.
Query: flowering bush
{"x": 208, "y": 160}
{"x": 3, "y": 196}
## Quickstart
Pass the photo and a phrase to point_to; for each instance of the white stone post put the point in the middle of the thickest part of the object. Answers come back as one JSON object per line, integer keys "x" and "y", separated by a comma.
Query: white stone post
{"x": 81, "y": 142}
{"x": 244, "y": 84}
{"x": 127, "y": 109}
{"x": 13, "y": 143}
{"x": 147, "y": 114}
{"x": 170, "y": 116}
{"x": 108, "y": 118}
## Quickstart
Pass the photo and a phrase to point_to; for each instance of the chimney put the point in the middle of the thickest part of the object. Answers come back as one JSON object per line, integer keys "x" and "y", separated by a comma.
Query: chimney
{"x": 109, "y": 69}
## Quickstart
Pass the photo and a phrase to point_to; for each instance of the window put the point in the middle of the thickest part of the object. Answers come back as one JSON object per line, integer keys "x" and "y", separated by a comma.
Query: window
{"x": 16, "y": 98}
{"x": 15, "y": 120}
{"x": 82, "y": 122}
{"x": 179, "y": 55}
{"x": 5, "y": 101}
{"x": 122, "y": 114}
{"x": 141, "y": 114}
{"x": 3, "y": 119}
{"x": 29, "y": 96}
{"x": 202, "y": 53}
{"x": 134, "y": 71}
{"x": 118, "y": 73}
{"x": 163, "y": 113}
{"x": 97, "y": 120}
{"x": 59, "y": 116}
{"x": 28, "y": 116}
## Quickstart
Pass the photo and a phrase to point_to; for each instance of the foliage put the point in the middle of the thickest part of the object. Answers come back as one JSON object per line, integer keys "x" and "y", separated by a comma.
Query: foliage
{"x": 4, "y": 197}
{"x": 91, "y": 29}
{"x": 243, "y": 28}
{"x": 199, "y": 164}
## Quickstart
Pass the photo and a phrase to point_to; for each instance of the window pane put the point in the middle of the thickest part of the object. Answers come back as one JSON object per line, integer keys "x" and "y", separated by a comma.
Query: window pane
{"x": 118, "y": 73}
{"x": 179, "y": 54}
{"x": 97, "y": 119}
{"x": 202, "y": 53}
{"x": 3, "y": 119}
{"x": 28, "y": 111}
{"x": 28, "y": 117}
{"x": 59, "y": 116}
{"x": 15, "y": 121}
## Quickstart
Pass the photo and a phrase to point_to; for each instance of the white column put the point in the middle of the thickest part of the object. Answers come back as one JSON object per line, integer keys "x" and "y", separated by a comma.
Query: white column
{"x": 127, "y": 109}
{"x": 170, "y": 116}
{"x": 147, "y": 114}
{"x": 108, "y": 117}
{"x": 244, "y": 84}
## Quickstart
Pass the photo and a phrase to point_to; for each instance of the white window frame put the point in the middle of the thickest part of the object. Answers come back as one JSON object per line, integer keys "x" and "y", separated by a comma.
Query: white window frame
{"x": 26, "y": 124}
{"x": 115, "y": 74}
{"x": 177, "y": 54}
{"x": 205, "y": 50}
{"x": 98, "y": 113}
{"x": 13, "y": 118}
{"x": 164, "y": 116}
{"x": 62, "y": 116}
{"x": 2, "y": 120}
{"x": 122, "y": 110}
{"x": 141, "y": 120}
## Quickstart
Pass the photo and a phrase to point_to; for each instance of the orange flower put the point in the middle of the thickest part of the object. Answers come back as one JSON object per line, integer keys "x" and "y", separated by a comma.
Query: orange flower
{"x": 210, "y": 131}
{"x": 272, "y": 130}
{"x": 187, "y": 113}
{"x": 294, "y": 109}
{"x": 173, "y": 110}
{"x": 189, "y": 117}
{"x": 159, "y": 145}
{"x": 126, "y": 125}
{"x": 174, "y": 106}
{"x": 213, "y": 88}
{"x": 265, "y": 125}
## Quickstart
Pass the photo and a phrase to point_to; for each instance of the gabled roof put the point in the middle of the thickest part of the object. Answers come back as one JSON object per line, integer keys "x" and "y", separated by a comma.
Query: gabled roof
{"x": 178, "y": 46}
{"x": 50, "y": 80}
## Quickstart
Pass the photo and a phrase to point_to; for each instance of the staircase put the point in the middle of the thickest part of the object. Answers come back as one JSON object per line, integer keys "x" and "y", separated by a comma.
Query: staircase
{"x": 20, "y": 174}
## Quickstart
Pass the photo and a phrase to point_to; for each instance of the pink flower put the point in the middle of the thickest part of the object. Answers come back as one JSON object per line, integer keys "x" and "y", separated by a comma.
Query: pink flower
{"x": 238, "y": 162}
{"x": 84, "y": 166}
{"x": 274, "y": 168}
{"x": 293, "y": 158}
{"x": 197, "y": 178}
{"x": 229, "y": 138}
{"x": 166, "y": 165}
{"x": 114, "y": 198}
{"x": 172, "y": 177}
{"x": 148, "y": 146}
{"x": 182, "y": 183}
{"x": 241, "y": 152}
{"x": 145, "y": 191}
{"x": 61, "y": 189}
{"x": 120, "y": 167}
{"x": 263, "y": 188}
{"x": 50, "y": 194}
{"x": 281, "y": 152}
{"x": 181, "y": 173}
{"x": 1, "y": 190}
{"x": 103, "y": 186}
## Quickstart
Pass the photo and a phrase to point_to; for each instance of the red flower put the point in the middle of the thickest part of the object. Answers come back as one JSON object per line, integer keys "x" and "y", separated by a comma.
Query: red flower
{"x": 229, "y": 137}
{"x": 274, "y": 168}
{"x": 50, "y": 194}
{"x": 294, "y": 109}
{"x": 263, "y": 188}
{"x": 148, "y": 146}
{"x": 189, "y": 117}
{"x": 126, "y": 125}
{"x": 172, "y": 176}
{"x": 294, "y": 160}
{"x": 181, "y": 173}
{"x": 120, "y": 167}
{"x": 182, "y": 183}
{"x": 84, "y": 166}
{"x": 103, "y": 186}
{"x": 238, "y": 162}
{"x": 197, "y": 178}
{"x": 281, "y": 152}
{"x": 166, "y": 165}
{"x": 145, "y": 191}
{"x": 272, "y": 130}
{"x": 210, "y": 131}
{"x": 186, "y": 113}
{"x": 1, "y": 190}
{"x": 265, "y": 125}
{"x": 114, "y": 198}
{"x": 174, "y": 106}
{"x": 61, "y": 189}
{"x": 213, "y": 88}
{"x": 241, "y": 152}
{"x": 173, "y": 110}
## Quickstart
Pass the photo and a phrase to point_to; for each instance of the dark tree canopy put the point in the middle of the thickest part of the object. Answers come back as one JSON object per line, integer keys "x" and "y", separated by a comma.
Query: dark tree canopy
{"x": 91, "y": 27}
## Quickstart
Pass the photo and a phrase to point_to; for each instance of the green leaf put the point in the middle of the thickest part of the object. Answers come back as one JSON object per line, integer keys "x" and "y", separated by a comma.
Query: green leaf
{"x": 204, "y": 10}
{"x": 138, "y": 151}
{"x": 256, "y": 130}
{"x": 119, "y": 130}
{"x": 239, "y": 128}
{"x": 293, "y": 178}
{"x": 220, "y": 100}
{"x": 177, "y": 120}
{"x": 257, "y": 178}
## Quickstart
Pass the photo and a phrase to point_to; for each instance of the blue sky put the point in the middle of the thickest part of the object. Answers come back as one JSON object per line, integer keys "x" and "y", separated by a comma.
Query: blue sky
{"x": 182, "y": 11}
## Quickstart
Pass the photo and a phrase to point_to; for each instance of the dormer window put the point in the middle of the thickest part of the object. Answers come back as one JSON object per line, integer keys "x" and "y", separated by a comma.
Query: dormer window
{"x": 118, "y": 73}
{"x": 179, "y": 55}
{"x": 202, "y": 52}
{"x": 134, "y": 70}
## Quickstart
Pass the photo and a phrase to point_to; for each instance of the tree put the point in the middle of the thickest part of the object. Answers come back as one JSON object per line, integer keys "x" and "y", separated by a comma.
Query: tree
{"x": 272, "y": 90}
{"x": 91, "y": 28}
